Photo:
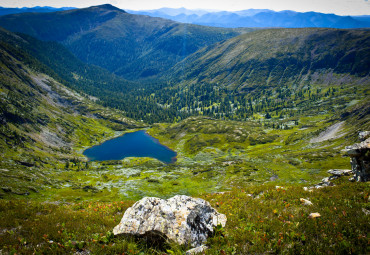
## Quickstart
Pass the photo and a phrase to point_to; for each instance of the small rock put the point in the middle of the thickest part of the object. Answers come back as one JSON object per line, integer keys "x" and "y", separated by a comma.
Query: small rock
{"x": 325, "y": 180}
{"x": 6, "y": 189}
{"x": 305, "y": 201}
{"x": 364, "y": 135}
{"x": 279, "y": 187}
{"x": 274, "y": 177}
{"x": 365, "y": 211}
{"x": 196, "y": 250}
{"x": 219, "y": 193}
{"x": 314, "y": 215}
{"x": 340, "y": 172}
{"x": 324, "y": 183}
{"x": 333, "y": 177}
{"x": 259, "y": 195}
{"x": 309, "y": 189}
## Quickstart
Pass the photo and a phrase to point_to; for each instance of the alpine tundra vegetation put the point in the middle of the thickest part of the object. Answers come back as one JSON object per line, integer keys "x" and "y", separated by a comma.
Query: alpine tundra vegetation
{"x": 256, "y": 117}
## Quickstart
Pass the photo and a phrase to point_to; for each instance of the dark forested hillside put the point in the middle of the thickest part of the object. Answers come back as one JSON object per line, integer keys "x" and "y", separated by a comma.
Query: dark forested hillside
{"x": 109, "y": 89}
{"x": 42, "y": 121}
{"x": 270, "y": 70}
{"x": 273, "y": 57}
{"x": 133, "y": 46}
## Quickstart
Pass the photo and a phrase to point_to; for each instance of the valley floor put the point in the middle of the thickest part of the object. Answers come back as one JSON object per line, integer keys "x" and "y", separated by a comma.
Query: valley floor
{"x": 236, "y": 166}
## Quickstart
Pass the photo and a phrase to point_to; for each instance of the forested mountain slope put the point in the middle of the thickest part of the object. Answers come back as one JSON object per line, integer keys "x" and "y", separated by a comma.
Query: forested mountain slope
{"x": 44, "y": 124}
{"x": 271, "y": 70}
{"x": 273, "y": 57}
{"x": 133, "y": 46}
{"x": 109, "y": 89}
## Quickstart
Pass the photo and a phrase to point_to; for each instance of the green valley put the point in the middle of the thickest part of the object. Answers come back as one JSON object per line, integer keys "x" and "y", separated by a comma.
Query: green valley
{"x": 254, "y": 116}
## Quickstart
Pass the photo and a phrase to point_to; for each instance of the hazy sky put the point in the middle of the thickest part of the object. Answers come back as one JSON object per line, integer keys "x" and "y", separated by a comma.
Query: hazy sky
{"x": 341, "y": 7}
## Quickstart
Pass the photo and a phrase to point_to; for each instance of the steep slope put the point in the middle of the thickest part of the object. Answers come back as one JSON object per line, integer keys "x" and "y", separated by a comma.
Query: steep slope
{"x": 279, "y": 56}
{"x": 137, "y": 46}
{"x": 43, "y": 123}
{"x": 272, "y": 71}
{"x": 109, "y": 89}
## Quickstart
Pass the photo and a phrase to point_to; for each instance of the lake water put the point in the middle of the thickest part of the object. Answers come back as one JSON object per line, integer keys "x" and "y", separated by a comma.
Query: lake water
{"x": 136, "y": 144}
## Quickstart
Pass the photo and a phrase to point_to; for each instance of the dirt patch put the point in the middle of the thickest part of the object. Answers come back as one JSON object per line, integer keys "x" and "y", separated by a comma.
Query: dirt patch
{"x": 50, "y": 139}
{"x": 330, "y": 133}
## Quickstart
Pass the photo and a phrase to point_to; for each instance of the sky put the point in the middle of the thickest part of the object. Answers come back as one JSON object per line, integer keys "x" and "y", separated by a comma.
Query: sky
{"x": 339, "y": 7}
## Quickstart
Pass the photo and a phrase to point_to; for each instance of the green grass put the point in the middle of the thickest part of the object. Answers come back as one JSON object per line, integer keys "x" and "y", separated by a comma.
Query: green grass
{"x": 213, "y": 155}
{"x": 261, "y": 219}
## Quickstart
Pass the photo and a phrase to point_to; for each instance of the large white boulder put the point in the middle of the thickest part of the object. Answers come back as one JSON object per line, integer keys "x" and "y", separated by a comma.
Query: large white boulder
{"x": 183, "y": 219}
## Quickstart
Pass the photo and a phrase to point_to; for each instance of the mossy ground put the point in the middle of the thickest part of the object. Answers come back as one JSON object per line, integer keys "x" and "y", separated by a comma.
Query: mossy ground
{"x": 213, "y": 155}
{"x": 261, "y": 219}
{"x": 76, "y": 205}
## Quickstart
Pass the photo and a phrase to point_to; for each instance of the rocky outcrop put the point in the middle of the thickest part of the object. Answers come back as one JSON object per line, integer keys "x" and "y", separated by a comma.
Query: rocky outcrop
{"x": 326, "y": 182}
{"x": 340, "y": 172}
{"x": 183, "y": 219}
{"x": 360, "y": 157}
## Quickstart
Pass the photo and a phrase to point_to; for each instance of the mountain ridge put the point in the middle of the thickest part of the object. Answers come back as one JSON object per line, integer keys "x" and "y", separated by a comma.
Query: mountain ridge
{"x": 138, "y": 46}
{"x": 259, "y": 18}
{"x": 7, "y": 11}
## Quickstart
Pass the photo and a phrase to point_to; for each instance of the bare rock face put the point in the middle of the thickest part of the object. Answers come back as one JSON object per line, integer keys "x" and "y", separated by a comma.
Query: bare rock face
{"x": 360, "y": 157}
{"x": 183, "y": 219}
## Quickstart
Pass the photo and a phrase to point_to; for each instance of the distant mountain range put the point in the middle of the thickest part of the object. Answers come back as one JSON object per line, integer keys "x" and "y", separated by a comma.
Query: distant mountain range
{"x": 132, "y": 46}
{"x": 258, "y": 18}
{"x": 6, "y": 11}
{"x": 244, "y": 18}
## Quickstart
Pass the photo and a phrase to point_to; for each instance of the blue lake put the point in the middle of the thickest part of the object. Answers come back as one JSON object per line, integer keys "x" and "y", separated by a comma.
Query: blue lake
{"x": 136, "y": 144}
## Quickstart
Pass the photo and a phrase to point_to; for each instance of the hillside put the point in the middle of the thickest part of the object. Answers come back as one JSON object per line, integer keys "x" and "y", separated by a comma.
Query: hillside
{"x": 279, "y": 55}
{"x": 43, "y": 117}
{"x": 108, "y": 89}
{"x": 138, "y": 46}
{"x": 272, "y": 71}
{"x": 44, "y": 124}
